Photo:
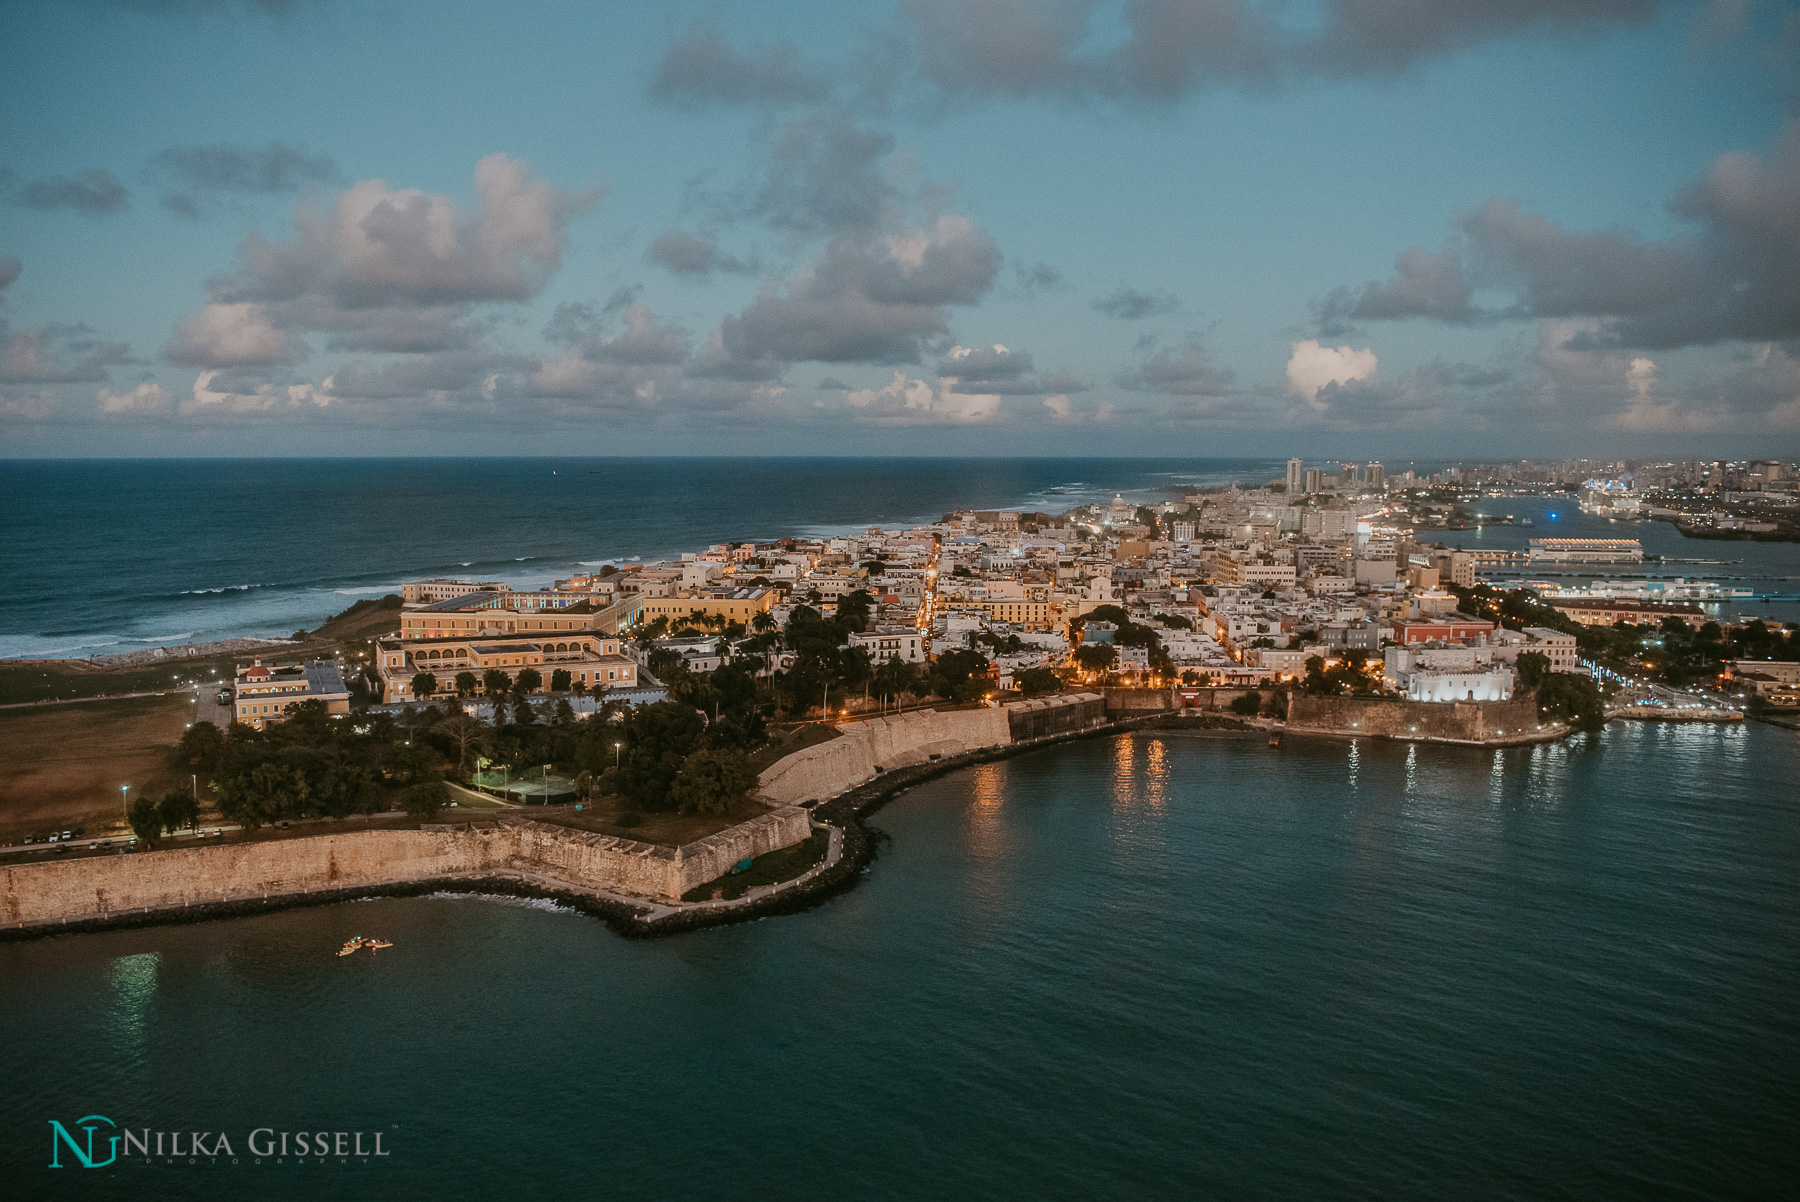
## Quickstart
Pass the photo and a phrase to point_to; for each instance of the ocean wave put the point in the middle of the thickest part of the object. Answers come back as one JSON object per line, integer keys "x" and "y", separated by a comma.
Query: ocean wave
{"x": 224, "y": 588}
{"x": 372, "y": 590}
{"x": 548, "y": 905}
{"x": 166, "y": 638}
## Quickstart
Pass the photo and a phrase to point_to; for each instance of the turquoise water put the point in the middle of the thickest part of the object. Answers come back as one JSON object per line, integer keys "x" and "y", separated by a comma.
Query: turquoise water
{"x": 1152, "y": 965}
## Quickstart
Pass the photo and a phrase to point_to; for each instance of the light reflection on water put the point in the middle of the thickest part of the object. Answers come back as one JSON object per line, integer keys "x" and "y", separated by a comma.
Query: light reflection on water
{"x": 1149, "y": 966}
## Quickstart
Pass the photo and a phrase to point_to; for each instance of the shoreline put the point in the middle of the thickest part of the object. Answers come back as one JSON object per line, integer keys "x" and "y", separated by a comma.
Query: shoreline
{"x": 634, "y": 918}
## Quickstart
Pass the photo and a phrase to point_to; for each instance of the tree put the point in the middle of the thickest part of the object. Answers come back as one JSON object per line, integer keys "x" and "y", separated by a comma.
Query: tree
{"x": 1248, "y": 704}
{"x": 466, "y": 684}
{"x": 1038, "y": 682}
{"x": 853, "y": 611}
{"x": 466, "y": 734}
{"x": 762, "y": 623}
{"x": 496, "y": 684}
{"x": 425, "y": 799}
{"x": 1566, "y": 697}
{"x": 146, "y": 820}
{"x": 177, "y": 810}
{"x": 960, "y": 675}
{"x": 530, "y": 681}
{"x": 658, "y": 738}
{"x": 199, "y": 750}
{"x": 1096, "y": 657}
{"x": 560, "y": 680}
{"x": 424, "y": 684}
{"x": 712, "y": 781}
{"x": 1533, "y": 666}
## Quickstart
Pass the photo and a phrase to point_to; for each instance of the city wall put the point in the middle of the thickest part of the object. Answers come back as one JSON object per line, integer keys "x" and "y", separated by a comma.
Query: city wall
{"x": 863, "y": 748}
{"x": 1513, "y": 721}
{"x": 71, "y": 890}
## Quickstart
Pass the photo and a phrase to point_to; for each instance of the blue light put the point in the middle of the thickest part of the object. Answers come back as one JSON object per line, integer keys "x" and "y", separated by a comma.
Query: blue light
{"x": 1553, "y": 517}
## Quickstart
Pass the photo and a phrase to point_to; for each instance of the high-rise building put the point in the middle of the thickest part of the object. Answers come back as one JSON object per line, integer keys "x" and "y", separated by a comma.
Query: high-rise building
{"x": 1315, "y": 479}
{"x": 1375, "y": 476}
{"x": 1294, "y": 480}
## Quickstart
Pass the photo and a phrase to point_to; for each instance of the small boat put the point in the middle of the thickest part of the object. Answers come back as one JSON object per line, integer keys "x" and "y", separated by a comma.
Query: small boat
{"x": 351, "y": 947}
{"x": 375, "y": 945}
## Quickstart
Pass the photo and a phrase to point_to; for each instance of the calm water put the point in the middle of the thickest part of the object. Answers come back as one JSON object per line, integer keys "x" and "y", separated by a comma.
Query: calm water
{"x": 1153, "y": 966}
{"x": 105, "y": 556}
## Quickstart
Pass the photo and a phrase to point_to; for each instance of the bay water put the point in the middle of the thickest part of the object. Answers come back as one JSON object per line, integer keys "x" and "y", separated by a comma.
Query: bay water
{"x": 1152, "y": 965}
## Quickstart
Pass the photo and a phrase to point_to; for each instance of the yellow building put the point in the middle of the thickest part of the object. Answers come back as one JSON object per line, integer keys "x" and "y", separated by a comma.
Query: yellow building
{"x": 266, "y": 693}
{"x": 590, "y": 659}
{"x": 738, "y": 605}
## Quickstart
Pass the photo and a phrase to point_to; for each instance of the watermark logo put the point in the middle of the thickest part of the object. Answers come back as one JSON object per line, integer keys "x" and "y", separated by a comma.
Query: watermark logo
{"x": 82, "y": 1150}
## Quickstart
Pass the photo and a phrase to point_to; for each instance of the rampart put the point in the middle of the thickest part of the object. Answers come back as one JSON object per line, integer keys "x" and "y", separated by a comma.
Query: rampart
{"x": 94, "y": 887}
{"x": 1059, "y": 715}
{"x": 1513, "y": 721}
{"x": 880, "y": 744}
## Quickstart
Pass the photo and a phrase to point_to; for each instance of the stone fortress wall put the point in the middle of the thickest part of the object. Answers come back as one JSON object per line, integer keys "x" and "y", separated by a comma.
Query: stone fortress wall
{"x": 1457, "y": 721}
{"x": 827, "y": 769}
{"x": 69, "y": 890}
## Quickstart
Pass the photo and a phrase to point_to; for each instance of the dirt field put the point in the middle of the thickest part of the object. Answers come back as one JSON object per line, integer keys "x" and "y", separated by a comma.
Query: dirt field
{"x": 64, "y": 763}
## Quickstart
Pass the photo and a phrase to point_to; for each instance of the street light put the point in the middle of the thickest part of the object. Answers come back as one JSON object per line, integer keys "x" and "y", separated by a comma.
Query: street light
{"x": 124, "y": 807}
{"x": 617, "y": 748}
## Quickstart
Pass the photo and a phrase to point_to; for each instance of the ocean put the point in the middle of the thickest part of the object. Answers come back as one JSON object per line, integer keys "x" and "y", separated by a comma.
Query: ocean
{"x": 1140, "y": 966}
{"x": 109, "y": 556}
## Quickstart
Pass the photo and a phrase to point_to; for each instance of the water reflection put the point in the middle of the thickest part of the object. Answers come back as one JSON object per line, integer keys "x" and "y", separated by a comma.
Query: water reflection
{"x": 133, "y": 983}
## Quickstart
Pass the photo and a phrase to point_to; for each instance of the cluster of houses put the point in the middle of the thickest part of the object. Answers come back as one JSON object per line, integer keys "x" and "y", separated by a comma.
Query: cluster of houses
{"x": 1240, "y": 586}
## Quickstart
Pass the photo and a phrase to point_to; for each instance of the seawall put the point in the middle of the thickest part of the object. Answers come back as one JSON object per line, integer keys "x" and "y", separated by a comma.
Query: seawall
{"x": 223, "y": 875}
{"x": 880, "y": 745}
{"x": 1485, "y": 722}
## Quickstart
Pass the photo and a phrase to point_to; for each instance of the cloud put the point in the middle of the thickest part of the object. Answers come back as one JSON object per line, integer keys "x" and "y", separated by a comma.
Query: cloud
{"x": 826, "y": 176}
{"x": 29, "y": 407}
{"x": 10, "y": 267}
{"x": 1424, "y": 285}
{"x": 385, "y": 270}
{"x": 1128, "y": 304}
{"x": 261, "y": 398}
{"x": 1185, "y": 372}
{"x": 1644, "y": 412}
{"x": 380, "y": 246}
{"x": 1063, "y": 411}
{"x": 147, "y": 399}
{"x": 1035, "y": 276}
{"x": 229, "y": 335}
{"x": 1734, "y": 276}
{"x": 879, "y": 300}
{"x": 1162, "y": 50}
{"x": 93, "y": 193}
{"x": 57, "y": 354}
{"x": 694, "y": 255}
{"x": 701, "y": 68}
{"x": 912, "y": 402}
{"x": 199, "y": 173}
{"x": 1311, "y": 367}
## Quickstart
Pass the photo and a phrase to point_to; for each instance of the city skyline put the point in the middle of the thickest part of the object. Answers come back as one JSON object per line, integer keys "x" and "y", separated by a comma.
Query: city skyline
{"x": 1528, "y": 230}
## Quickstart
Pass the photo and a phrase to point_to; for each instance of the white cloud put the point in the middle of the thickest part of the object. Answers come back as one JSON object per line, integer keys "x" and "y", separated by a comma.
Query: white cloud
{"x": 1312, "y": 366}
{"x": 911, "y": 402}
{"x": 265, "y": 398}
{"x": 1064, "y": 413}
{"x": 230, "y": 335}
{"x": 1644, "y": 413}
{"x": 146, "y": 398}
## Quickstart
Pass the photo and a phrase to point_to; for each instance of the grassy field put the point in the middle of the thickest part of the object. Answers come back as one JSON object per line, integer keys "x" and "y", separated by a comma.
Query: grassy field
{"x": 603, "y": 814}
{"x": 64, "y": 763}
{"x": 53, "y": 679}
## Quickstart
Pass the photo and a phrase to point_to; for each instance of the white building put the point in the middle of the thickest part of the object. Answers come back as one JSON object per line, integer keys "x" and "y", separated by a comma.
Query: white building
{"x": 885, "y": 642}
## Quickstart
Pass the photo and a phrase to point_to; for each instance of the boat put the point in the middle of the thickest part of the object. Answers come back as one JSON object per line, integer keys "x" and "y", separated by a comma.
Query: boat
{"x": 375, "y": 945}
{"x": 350, "y": 947}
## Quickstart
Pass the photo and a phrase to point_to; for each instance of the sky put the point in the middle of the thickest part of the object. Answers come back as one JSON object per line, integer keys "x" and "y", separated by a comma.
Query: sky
{"x": 1352, "y": 228}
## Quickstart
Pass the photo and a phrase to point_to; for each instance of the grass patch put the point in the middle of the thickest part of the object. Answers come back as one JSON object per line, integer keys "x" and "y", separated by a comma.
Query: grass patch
{"x": 770, "y": 869}
{"x": 612, "y": 815}
{"x": 61, "y": 679}
{"x": 64, "y": 763}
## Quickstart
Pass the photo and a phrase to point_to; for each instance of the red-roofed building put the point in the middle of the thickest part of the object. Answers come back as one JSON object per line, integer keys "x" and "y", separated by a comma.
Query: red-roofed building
{"x": 1450, "y": 631}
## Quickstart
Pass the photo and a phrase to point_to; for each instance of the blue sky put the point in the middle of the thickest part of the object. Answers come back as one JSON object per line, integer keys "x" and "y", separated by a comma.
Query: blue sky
{"x": 1355, "y": 227}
